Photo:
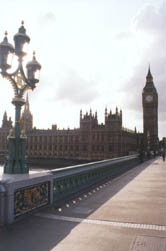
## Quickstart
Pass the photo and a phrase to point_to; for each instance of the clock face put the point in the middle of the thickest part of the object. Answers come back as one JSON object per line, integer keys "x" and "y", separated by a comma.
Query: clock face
{"x": 149, "y": 98}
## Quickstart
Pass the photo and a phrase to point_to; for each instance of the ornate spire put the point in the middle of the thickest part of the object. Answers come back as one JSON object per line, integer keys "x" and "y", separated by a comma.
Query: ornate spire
{"x": 5, "y": 122}
{"x": 26, "y": 108}
{"x": 135, "y": 129}
{"x": 96, "y": 115}
{"x": 106, "y": 112}
{"x": 5, "y": 116}
{"x": 149, "y": 77}
{"x": 27, "y": 116}
{"x": 81, "y": 114}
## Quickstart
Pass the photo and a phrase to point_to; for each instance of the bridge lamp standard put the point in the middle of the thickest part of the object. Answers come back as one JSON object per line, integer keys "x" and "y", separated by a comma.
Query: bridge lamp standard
{"x": 15, "y": 162}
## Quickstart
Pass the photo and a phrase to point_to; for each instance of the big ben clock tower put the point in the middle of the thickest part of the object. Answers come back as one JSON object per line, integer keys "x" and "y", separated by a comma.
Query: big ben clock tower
{"x": 150, "y": 114}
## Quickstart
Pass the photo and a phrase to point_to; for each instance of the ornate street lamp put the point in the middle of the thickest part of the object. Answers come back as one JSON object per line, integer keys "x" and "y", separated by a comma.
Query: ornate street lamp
{"x": 16, "y": 161}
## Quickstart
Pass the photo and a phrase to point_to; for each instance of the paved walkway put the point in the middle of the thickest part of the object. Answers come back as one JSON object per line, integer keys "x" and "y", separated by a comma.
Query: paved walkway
{"x": 126, "y": 214}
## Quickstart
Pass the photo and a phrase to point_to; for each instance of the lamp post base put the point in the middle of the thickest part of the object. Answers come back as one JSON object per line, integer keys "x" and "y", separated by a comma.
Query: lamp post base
{"x": 16, "y": 162}
{"x": 13, "y": 167}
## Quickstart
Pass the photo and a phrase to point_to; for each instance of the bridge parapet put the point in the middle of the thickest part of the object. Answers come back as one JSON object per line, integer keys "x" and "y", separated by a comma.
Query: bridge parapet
{"x": 24, "y": 193}
{"x": 68, "y": 182}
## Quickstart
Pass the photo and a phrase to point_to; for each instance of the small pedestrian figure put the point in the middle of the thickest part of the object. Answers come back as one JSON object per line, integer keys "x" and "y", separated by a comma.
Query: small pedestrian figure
{"x": 141, "y": 156}
{"x": 154, "y": 154}
{"x": 163, "y": 155}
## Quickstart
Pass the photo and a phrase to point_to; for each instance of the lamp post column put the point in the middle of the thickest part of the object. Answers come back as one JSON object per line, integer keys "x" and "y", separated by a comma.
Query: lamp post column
{"x": 16, "y": 160}
{"x": 18, "y": 104}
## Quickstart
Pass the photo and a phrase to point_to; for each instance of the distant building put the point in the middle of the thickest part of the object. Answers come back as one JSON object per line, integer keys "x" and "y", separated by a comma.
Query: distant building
{"x": 27, "y": 117}
{"x": 150, "y": 114}
{"x": 91, "y": 141}
{"x": 4, "y": 132}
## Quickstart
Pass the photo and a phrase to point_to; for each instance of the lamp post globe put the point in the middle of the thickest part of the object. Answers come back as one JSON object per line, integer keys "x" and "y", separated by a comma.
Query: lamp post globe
{"x": 5, "y": 49}
{"x": 32, "y": 68}
{"x": 20, "y": 39}
{"x": 16, "y": 160}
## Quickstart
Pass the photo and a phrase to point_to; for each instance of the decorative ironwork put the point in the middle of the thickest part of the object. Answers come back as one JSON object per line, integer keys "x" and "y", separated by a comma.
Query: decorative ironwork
{"x": 30, "y": 198}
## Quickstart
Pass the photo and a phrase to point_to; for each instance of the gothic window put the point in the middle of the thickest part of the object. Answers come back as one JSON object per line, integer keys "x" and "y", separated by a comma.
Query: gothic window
{"x": 65, "y": 139}
{"x": 77, "y": 148}
{"x": 76, "y": 138}
{"x": 45, "y": 140}
{"x": 84, "y": 148}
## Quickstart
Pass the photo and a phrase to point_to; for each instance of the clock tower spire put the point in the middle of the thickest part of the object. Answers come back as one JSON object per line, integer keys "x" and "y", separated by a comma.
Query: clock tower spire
{"x": 149, "y": 78}
{"x": 150, "y": 114}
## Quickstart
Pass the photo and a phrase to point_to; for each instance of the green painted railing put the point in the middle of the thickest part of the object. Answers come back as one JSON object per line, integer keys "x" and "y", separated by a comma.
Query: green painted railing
{"x": 70, "y": 181}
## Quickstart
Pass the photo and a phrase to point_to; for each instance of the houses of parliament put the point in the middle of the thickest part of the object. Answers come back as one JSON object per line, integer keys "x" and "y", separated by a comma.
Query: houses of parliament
{"x": 91, "y": 141}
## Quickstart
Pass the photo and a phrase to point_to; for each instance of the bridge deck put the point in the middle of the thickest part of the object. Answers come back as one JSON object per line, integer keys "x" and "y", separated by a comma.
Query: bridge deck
{"x": 126, "y": 214}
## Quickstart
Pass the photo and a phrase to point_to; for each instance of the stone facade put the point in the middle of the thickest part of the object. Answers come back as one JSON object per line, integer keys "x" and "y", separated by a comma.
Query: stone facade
{"x": 91, "y": 141}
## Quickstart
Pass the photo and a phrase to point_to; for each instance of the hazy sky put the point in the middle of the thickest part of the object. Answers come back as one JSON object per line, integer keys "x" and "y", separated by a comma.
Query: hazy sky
{"x": 94, "y": 54}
